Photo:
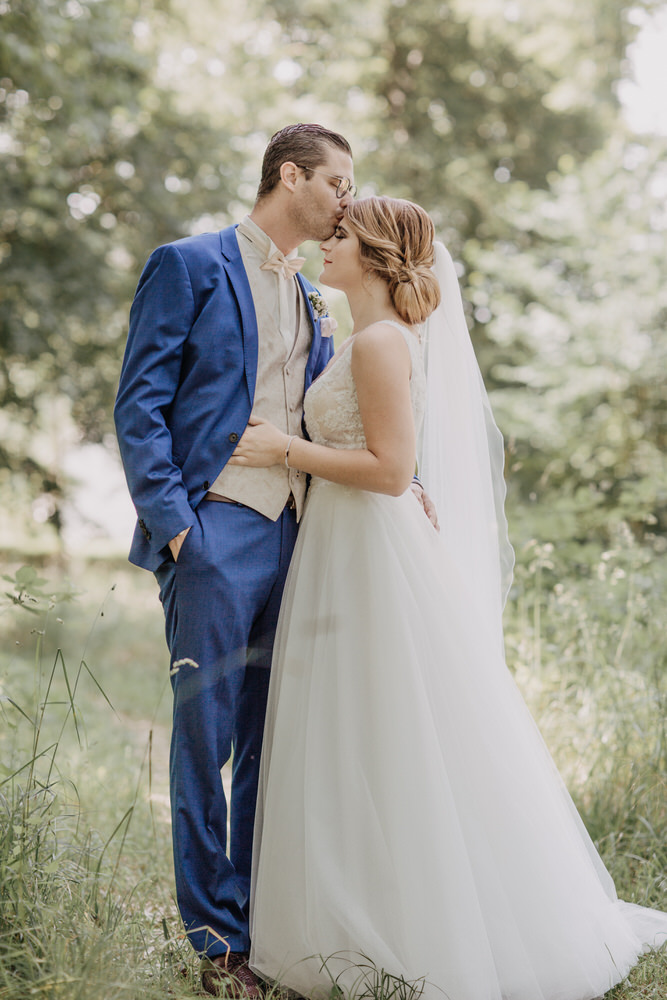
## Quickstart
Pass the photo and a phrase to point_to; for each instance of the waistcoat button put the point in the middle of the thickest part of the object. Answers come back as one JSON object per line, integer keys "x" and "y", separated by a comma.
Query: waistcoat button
{"x": 233, "y": 437}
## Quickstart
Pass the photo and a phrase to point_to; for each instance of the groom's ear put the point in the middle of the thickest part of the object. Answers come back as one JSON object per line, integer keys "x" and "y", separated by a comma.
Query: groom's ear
{"x": 289, "y": 173}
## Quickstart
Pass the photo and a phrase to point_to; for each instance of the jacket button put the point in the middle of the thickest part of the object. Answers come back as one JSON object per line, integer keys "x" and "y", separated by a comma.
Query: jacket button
{"x": 233, "y": 437}
{"x": 205, "y": 485}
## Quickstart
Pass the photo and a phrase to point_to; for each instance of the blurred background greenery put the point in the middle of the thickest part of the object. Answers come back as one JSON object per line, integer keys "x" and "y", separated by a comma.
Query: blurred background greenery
{"x": 127, "y": 123}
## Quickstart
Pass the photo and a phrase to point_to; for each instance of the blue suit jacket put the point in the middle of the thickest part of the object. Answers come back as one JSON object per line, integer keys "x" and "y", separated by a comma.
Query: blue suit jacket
{"x": 188, "y": 381}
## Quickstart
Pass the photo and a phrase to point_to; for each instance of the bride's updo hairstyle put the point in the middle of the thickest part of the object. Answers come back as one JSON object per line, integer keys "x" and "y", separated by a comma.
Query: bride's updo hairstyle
{"x": 396, "y": 240}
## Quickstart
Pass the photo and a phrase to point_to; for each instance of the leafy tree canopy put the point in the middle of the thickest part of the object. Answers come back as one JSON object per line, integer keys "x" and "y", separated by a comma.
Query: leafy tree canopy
{"x": 126, "y": 123}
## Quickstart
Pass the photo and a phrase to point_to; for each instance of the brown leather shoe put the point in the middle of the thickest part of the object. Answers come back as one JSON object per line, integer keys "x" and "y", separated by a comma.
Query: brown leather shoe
{"x": 230, "y": 976}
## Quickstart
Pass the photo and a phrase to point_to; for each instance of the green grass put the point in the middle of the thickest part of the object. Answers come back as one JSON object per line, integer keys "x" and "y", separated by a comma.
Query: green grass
{"x": 86, "y": 898}
{"x": 587, "y": 642}
{"x": 86, "y": 905}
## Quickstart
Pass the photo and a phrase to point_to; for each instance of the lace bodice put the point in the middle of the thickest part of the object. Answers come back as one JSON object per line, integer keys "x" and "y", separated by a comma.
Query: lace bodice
{"x": 331, "y": 406}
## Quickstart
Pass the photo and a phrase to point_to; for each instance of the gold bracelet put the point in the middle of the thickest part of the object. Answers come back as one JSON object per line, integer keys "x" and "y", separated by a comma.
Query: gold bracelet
{"x": 289, "y": 445}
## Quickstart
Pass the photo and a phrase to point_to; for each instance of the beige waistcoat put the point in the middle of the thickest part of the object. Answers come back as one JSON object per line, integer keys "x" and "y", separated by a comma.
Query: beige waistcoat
{"x": 279, "y": 391}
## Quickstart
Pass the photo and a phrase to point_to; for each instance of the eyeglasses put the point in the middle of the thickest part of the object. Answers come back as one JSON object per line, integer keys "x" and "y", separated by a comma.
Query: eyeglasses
{"x": 345, "y": 185}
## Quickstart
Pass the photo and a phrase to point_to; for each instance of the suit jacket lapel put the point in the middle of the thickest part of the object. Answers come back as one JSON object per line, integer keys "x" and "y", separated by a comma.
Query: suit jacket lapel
{"x": 233, "y": 264}
{"x": 315, "y": 323}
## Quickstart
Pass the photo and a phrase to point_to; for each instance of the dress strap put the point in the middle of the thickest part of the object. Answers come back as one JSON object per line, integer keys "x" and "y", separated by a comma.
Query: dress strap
{"x": 399, "y": 326}
{"x": 409, "y": 335}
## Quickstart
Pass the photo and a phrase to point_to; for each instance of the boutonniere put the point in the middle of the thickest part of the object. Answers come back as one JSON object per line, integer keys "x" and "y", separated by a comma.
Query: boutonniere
{"x": 328, "y": 324}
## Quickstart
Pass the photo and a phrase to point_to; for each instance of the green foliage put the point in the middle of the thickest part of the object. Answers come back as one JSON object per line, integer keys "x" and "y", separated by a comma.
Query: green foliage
{"x": 130, "y": 122}
{"x": 29, "y": 593}
{"x": 587, "y": 648}
{"x": 83, "y": 911}
{"x": 370, "y": 983}
{"x": 586, "y": 641}
{"x": 574, "y": 302}
{"x": 98, "y": 166}
{"x": 471, "y": 104}
{"x": 86, "y": 909}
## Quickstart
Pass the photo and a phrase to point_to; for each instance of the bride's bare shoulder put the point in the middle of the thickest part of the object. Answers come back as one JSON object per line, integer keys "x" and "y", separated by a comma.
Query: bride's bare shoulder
{"x": 382, "y": 335}
{"x": 378, "y": 346}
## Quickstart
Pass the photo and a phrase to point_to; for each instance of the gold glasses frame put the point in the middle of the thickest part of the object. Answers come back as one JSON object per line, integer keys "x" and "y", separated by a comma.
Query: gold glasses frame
{"x": 345, "y": 185}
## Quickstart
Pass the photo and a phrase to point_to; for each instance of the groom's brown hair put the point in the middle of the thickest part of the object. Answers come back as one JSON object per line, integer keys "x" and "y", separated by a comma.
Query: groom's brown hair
{"x": 306, "y": 145}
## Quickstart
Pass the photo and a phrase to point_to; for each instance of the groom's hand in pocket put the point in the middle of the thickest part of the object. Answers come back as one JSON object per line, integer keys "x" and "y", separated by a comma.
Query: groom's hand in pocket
{"x": 176, "y": 542}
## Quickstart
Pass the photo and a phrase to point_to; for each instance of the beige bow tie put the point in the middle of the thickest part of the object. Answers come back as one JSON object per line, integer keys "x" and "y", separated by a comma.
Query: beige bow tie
{"x": 285, "y": 266}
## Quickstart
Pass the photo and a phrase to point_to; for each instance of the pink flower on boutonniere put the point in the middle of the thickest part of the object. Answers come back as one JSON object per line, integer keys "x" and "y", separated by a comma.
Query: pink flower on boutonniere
{"x": 328, "y": 326}
{"x": 327, "y": 323}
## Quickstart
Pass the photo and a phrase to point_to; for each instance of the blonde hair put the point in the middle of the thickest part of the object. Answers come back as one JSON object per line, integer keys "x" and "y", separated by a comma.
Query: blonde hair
{"x": 396, "y": 238}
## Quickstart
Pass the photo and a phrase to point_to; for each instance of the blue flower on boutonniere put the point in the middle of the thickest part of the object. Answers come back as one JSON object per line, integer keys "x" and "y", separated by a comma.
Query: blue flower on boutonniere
{"x": 327, "y": 323}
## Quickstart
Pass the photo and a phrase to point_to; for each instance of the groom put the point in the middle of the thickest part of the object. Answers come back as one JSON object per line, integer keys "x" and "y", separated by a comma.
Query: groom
{"x": 223, "y": 326}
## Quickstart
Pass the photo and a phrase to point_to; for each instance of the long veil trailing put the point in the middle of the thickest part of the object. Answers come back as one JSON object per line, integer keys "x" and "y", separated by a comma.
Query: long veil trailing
{"x": 461, "y": 452}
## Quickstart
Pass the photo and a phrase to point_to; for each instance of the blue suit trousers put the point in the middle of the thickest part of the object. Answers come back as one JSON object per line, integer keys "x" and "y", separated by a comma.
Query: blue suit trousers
{"x": 221, "y": 601}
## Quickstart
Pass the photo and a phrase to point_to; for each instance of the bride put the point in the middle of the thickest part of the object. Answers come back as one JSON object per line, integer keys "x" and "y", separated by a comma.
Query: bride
{"x": 410, "y": 818}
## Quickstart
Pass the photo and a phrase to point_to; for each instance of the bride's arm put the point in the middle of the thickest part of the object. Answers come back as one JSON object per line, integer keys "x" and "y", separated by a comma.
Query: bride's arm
{"x": 381, "y": 371}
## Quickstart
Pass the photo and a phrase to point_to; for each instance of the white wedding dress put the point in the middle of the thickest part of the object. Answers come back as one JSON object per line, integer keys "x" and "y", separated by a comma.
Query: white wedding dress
{"x": 409, "y": 811}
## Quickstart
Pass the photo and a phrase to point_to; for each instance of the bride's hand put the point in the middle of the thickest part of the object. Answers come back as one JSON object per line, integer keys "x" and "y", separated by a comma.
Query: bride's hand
{"x": 426, "y": 502}
{"x": 261, "y": 445}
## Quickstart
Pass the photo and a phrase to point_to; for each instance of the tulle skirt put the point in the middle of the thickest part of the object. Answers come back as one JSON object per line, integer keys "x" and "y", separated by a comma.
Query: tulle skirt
{"x": 410, "y": 818}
